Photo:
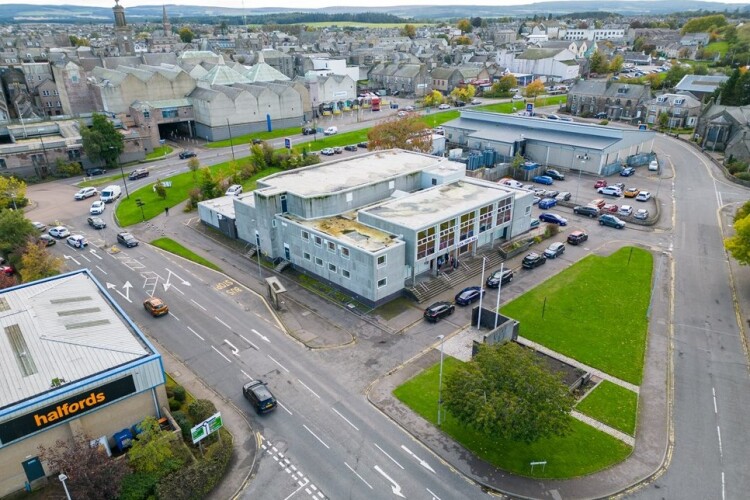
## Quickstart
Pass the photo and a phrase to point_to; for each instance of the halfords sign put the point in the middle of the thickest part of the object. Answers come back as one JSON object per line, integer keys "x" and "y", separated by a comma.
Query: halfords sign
{"x": 74, "y": 406}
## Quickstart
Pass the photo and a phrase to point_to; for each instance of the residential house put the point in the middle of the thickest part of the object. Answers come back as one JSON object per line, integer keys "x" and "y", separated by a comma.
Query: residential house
{"x": 637, "y": 58}
{"x": 621, "y": 101}
{"x": 682, "y": 109}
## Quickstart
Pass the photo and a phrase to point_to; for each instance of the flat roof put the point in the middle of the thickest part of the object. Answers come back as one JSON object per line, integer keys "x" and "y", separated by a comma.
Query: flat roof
{"x": 352, "y": 232}
{"x": 349, "y": 173}
{"x": 64, "y": 328}
{"x": 225, "y": 204}
{"x": 439, "y": 203}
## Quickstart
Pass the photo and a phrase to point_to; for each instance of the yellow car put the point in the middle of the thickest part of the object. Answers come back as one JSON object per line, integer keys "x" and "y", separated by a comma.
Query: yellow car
{"x": 156, "y": 307}
{"x": 631, "y": 192}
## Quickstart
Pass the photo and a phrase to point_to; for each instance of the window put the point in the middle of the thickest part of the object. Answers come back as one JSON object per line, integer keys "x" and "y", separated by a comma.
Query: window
{"x": 305, "y": 236}
{"x": 349, "y": 197}
{"x": 382, "y": 283}
{"x": 485, "y": 218}
{"x": 447, "y": 234}
{"x": 345, "y": 273}
{"x": 45, "y": 93}
{"x": 344, "y": 252}
{"x": 425, "y": 242}
{"x": 318, "y": 261}
{"x": 332, "y": 268}
{"x": 306, "y": 256}
{"x": 332, "y": 247}
{"x": 147, "y": 114}
{"x": 504, "y": 209}
{"x": 55, "y": 92}
{"x": 381, "y": 261}
{"x": 466, "y": 229}
{"x": 318, "y": 241}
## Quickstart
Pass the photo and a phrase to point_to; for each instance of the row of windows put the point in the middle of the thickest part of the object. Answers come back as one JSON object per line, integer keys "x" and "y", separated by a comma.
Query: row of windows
{"x": 46, "y": 93}
{"x": 344, "y": 272}
{"x": 331, "y": 246}
{"x": 50, "y": 104}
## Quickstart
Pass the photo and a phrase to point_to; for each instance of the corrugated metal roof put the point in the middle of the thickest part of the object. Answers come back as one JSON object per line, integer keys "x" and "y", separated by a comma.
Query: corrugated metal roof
{"x": 63, "y": 328}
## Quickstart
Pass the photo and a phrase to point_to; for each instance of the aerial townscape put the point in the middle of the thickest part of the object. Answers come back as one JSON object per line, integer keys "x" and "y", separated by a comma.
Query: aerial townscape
{"x": 427, "y": 252}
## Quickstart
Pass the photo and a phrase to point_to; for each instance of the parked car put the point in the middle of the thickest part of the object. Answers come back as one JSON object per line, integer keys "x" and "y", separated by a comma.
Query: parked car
{"x": 653, "y": 166}
{"x": 598, "y": 203}
{"x": 438, "y": 311}
{"x": 187, "y": 154}
{"x": 258, "y": 394}
{"x": 536, "y": 200}
{"x": 610, "y": 208}
{"x": 59, "y": 232}
{"x": 402, "y": 114}
{"x": 600, "y": 116}
{"x": 39, "y": 226}
{"x": 547, "y": 203}
{"x": 351, "y": 147}
{"x": 641, "y": 214}
{"x": 533, "y": 260}
{"x": 362, "y": 144}
{"x": 554, "y": 250}
{"x": 94, "y": 171}
{"x": 97, "y": 208}
{"x": 577, "y": 237}
{"x": 507, "y": 181}
{"x": 308, "y": 131}
{"x": 563, "y": 195}
{"x": 553, "y": 117}
{"x": 127, "y": 239}
{"x": 338, "y": 150}
{"x": 475, "y": 102}
{"x": 643, "y": 196}
{"x": 600, "y": 183}
{"x": 46, "y": 240}
{"x": 96, "y": 222}
{"x": 587, "y": 210}
{"x": 86, "y": 192}
{"x": 611, "y": 221}
{"x": 234, "y": 190}
{"x": 155, "y": 307}
{"x": 627, "y": 171}
{"x": 551, "y": 172}
{"x": 77, "y": 241}
{"x": 138, "y": 173}
{"x": 331, "y": 131}
{"x": 625, "y": 211}
{"x": 469, "y": 295}
{"x": 553, "y": 219}
{"x": 551, "y": 194}
{"x": 409, "y": 108}
{"x": 459, "y": 104}
{"x": 499, "y": 278}
{"x": 327, "y": 151}
{"x": 619, "y": 185}
{"x": 543, "y": 179}
{"x": 517, "y": 97}
{"x": 631, "y": 192}
{"x": 7, "y": 270}
{"x": 444, "y": 106}
{"x": 610, "y": 191}
{"x": 534, "y": 223}
{"x": 439, "y": 130}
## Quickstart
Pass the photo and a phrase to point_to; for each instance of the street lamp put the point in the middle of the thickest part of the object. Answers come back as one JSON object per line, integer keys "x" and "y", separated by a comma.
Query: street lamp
{"x": 257, "y": 245}
{"x": 63, "y": 478}
{"x": 440, "y": 380}
{"x": 117, "y": 159}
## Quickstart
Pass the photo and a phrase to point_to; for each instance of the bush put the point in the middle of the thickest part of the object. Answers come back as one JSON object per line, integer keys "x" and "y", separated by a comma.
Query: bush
{"x": 179, "y": 393}
{"x": 199, "y": 410}
{"x": 170, "y": 392}
{"x": 184, "y": 422}
{"x": 174, "y": 405}
{"x": 195, "y": 481}
{"x": 743, "y": 176}
{"x": 67, "y": 169}
{"x": 604, "y": 122}
{"x": 551, "y": 230}
{"x": 138, "y": 486}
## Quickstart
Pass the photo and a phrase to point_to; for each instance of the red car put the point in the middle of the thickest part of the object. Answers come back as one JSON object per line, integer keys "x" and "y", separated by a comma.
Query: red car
{"x": 611, "y": 208}
{"x": 600, "y": 184}
{"x": 7, "y": 270}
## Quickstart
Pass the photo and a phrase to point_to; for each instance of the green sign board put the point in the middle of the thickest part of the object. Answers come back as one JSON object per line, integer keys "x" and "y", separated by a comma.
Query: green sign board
{"x": 207, "y": 427}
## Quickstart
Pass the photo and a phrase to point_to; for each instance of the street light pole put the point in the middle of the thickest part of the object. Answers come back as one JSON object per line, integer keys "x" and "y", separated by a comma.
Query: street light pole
{"x": 124, "y": 183}
{"x": 440, "y": 380}
{"x": 231, "y": 142}
{"x": 63, "y": 478}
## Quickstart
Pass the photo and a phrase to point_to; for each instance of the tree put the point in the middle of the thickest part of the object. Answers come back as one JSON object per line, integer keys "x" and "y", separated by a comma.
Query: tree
{"x": 507, "y": 82}
{"x": 534, "y": 89}
{"x": 11, "y": 189}
{"x": 409, "y": 30}
{"x": 464, "y": 94}
{"x": 194, "y": 164}
{"x": 738, "y": 245}
{"x": 464, "y": 25}
{"x": 742, "y": 212}
{"x": 38, "y": 263}
{"x": 408, "y": 133}
{"x": 476, "y": 22}
{"x": 506, "y": 391}
{"x": 153, "y": 451}
{"x": 160, "y": 189}
{"x": 186, "y": 35}
{"x": 704, "y": 24}
{"x": 663, "y": 119}
{"x": 462, "y": 40}
{"x": 102, "y": 142}
{"x": 434, "y": 98}
{"x": 615, "y": 64}
{"x": 208, "y": 186}
{"x": 598, "y": 63}
{"x": 91, "y": 473}
{"x": 200, "y": 409}
{"x": 15, "y": 230}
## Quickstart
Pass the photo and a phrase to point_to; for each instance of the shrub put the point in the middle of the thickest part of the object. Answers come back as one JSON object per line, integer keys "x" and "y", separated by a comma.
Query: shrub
{"x": 170, "y": 391}
{"x": 70, "y": 169}
{"x": 195, "y": 481}
{"x": 184, "y": 422}
{"x": 538, "y": 239}
{"x": 744, "y": 176}
{"x": 174, "y": 405}
{"x": 179, "y": 393}
{"x": 138, "y": 486}
{"x": 551, "y": 230}
{"x": 604, "y": 122}
{"x": 199, "y": 410}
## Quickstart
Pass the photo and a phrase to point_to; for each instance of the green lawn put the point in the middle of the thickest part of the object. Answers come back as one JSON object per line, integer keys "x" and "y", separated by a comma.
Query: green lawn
{"x": 247, "y": 138}
{"x": 129, "y": 213}
{"x": 159, "y": 152}
{"x": 173, "y": 247}
{"x": 583, "y": 451}
{"x": 612, "y": 405}
{"x": 593, "y": 311}
{"x": 100, "y": 180}
{"x": 720, "y": 47}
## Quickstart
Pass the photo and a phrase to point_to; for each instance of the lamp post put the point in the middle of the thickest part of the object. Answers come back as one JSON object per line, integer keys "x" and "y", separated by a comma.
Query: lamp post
{"x": 481, "y": 294}
{"x": 440, "y": 380}
{"x": 63, "y": 478}
{"x": 117, "y": 159}
{"x": 257, "y": 245}
{"x": 231, "y": 142}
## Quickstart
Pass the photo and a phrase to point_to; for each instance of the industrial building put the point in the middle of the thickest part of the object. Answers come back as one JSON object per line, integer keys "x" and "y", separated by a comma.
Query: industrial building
{"x": 72, "y": 364}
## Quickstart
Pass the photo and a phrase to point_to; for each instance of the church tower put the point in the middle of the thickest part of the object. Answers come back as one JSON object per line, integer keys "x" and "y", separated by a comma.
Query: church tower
{"x": 123, "y": 34}
{"x": 167, "y": 26}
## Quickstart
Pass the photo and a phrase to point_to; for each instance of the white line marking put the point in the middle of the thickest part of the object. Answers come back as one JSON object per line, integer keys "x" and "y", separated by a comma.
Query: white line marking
{"x": 345, "y": 419}
{"x": 356, "y": 474}
{"x": 303, "y": 385}
{"x": 86, "y": 258}
{"x": 423, "y": 463}
{"x": 387, "y": 455}
{"x": 197, "y": 304}
{"x": 434, "y": 496}
{"x": 256, "y": 332}
{"x": 722, "y": 486}
{"x": 316, "y": 437}
{"x": 295, "y": 491}
{"x": 254, "y": 346}
{"x": 282, "y": 366}
{"x": 713, "y": 390}
{"x": 718, "y": 432}
{"x": 220, "y": 354}
{"x": 102, "y": 270}
{"x": 248, "y": 376}
{"x": 235, "y": 351}
{"x": 395, "y": 487}
{"x": 195, "y": 333}
{"x": 285, "y": 408}
{"x": 220, "y": 321}
{"x": 175, "y": 317}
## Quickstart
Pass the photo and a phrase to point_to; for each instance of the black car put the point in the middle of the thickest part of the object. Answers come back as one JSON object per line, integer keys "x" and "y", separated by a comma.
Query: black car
{"x": 97, "y": 222}
{"x": 469, "y": 295}
{"x": 554, "y": 174}
{"x": 533, "y": 260}
{"x": 600, "y": 116}
{"x": 577, "y": 237}
{"x": 259, "y": 396}
{"x": 127, "y": 239}
{"x": 362, "y": 145}
{"x": 308, "y": 131}
{"x": 459, "y": 104}
{"x": 94, "y": 171}
{"x": 587, "y": 210}
{"x": 350, "y": 147}
{"x": 187, "y": 154}
{"x": 499, "y": 278}
{"x": 438, "y": 311}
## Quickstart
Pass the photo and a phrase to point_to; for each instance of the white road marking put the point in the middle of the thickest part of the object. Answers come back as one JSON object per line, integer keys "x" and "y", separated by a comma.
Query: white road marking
{"x": 282, "y": 366}
{"x": 220, "y": 321}
{"x": 723, "y": 494}
{"x": 254, "y": 346}
{"x": 175, "y": 317}
{"x": 102, "y": 270}
{"x": 93, "y": 252}
{"x": 303, "y": 385}
{"x": 197, "y": 304}
{"x": 85, "y": 258}
{"x": 256, "y": 332}
{"x": 235, "y": 351}
{"x": 434, "y": 496}
{"x": 387, "y": 455}
{"x": 345, "y": 419}
{"x": 72, "y": 258}
{"x": 295, "y": 491}
{"x": 356, "y": 474}
{"x": 285, "y": 408}
{"x": 195, "y": 333}
{"x": 713, "y": 390}
{"x": 718, "y": 432}
{"x": 395, "y": 487}
{"x": 248, "y": 376}
{"x": 220, "y": 354}
{"x": 316, "y": 437}
{"x": 423, "y": 463}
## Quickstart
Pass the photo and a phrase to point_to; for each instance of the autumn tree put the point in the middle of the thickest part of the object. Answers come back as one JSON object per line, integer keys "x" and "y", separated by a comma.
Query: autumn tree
{"x": 91, "y": 473}
{"x": 102, "y": 141}
{"x": 153, "y": 450}
{"x": 15, "y": 230}
{"x": 738, "y": 245}
{"x": 37, "y": 263}
{"x": 409, "y": 30}
{"x": 507, "y": 82}
{"x": 462, "y": 40}
{"x": 186, "y": 35}
{"x": 598, "y": 63}
{"x": 464, "y": 25}
{"x": 507, "y": 391}
{"x": 208, "y": 185}
{"x": 11, "y": 189}
{"x": 409, "y": 133}
{"x": 194, "y": 165}
{"x": 464, "y": 94}
{"x": 434, "y": 98}
{"x": 615, "y": 65}
{"x": 534, "y": 89}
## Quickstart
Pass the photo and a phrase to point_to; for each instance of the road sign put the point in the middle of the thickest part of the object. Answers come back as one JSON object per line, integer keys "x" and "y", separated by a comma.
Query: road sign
{"x": 287, "y": 143}
{"x": 207, "y": 427}
{"x": 530, "y": 108}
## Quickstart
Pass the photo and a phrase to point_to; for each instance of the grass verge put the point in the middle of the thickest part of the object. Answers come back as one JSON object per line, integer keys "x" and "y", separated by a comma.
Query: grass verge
{"x": 593, "y": 311}
{"x": 612, "y": 405}
{"x": 172, "y": 246}
{"x": 159, "y": 152}
{"x": 583, "y": 451}
{"x": 248, "y": 138}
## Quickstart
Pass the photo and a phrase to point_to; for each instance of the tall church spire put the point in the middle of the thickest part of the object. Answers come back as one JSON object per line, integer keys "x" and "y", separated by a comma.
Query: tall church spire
{"x": 167, "y": 26}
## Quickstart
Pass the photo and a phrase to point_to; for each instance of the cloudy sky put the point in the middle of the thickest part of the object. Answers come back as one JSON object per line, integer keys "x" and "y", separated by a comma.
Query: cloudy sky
{"x": 288, "y": 3}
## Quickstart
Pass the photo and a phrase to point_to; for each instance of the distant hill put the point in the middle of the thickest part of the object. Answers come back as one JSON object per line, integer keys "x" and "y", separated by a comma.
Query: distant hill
{"x": 78, "y": 14}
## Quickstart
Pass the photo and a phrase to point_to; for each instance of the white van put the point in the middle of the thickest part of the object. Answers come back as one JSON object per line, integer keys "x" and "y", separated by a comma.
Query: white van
{"x": 110, "y": 193}
{"x": 332, "y": 131}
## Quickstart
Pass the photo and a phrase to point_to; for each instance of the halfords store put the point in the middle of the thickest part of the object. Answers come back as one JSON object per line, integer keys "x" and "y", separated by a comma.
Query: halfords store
{"x": 71, "y": 362}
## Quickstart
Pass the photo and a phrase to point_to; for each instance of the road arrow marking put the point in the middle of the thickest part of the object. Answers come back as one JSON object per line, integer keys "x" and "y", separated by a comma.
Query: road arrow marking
{"x": 71, "y": 258}
{"x": 395, "y": 487}
{"x": 253, "y": 345}
{"x": 184, "y": 282}
{"x": 127, "y": 286}
{"x": 93, "y": 252}
{"x": 110, "y": 286}
{"x": 235, "y": 351}
{"x": 256, "y": 332}
{"x": 423, "y": 463}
